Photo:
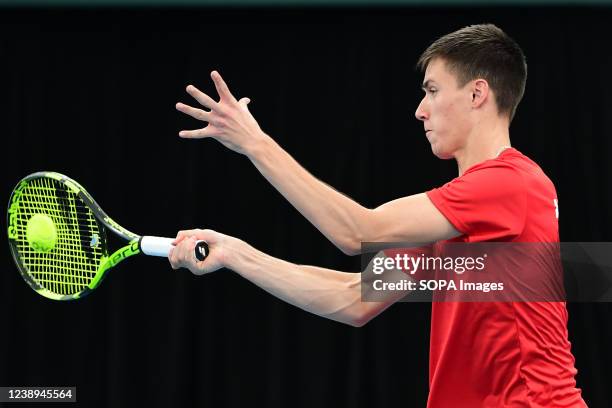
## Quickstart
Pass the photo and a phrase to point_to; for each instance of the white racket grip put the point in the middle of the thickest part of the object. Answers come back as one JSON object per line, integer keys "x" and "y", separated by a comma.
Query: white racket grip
{"x": 156, "y": 246}
{"x": 160, "y": 246}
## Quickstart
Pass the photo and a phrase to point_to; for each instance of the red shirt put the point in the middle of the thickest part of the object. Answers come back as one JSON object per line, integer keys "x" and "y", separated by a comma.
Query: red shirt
{"x": 512, "y": 354}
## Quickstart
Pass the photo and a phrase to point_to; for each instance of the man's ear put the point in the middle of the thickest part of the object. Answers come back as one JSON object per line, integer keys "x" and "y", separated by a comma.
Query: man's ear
{"x": 480, "y": 92}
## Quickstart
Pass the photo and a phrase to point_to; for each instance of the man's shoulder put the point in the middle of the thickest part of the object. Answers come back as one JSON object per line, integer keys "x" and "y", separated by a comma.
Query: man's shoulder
{"x": 496, "y": 199}
{"x": 509, "y": 159}
{"x": 510, "y": 170}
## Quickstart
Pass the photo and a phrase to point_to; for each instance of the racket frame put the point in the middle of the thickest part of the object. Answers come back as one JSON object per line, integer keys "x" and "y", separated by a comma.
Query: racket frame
{"x": 108, "y": 261}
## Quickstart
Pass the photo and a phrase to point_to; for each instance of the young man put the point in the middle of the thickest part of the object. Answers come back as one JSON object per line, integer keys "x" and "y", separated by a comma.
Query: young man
{"x": 492, "y": 354}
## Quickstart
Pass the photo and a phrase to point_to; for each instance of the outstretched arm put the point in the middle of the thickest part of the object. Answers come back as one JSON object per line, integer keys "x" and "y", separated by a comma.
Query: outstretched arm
{"x": 342, "y": 220}
{"x": 324, "y": 292}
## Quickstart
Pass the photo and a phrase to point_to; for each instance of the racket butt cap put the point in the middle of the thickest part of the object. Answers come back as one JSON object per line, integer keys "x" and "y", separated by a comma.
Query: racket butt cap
{"x": 201, "y": 250}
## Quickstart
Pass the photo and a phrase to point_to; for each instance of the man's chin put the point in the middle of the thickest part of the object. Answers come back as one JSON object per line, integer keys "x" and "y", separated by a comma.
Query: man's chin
{"x": 440, "y": 154}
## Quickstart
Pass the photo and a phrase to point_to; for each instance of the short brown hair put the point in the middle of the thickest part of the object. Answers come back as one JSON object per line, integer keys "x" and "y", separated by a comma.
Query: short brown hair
{"x": 483, "y": 51}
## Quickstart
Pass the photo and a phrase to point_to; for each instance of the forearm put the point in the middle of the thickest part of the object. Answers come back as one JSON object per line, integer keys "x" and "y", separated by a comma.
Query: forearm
{"x": 324, "y": 292}
{"x": 343, "y": 221}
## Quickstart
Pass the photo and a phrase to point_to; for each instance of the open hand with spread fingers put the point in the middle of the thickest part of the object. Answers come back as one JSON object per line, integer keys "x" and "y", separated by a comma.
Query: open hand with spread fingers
{"x": 228, "y": 120}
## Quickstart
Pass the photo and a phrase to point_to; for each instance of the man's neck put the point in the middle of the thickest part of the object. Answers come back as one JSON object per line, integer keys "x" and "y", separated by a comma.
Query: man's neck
{"x": 484, "y": 143}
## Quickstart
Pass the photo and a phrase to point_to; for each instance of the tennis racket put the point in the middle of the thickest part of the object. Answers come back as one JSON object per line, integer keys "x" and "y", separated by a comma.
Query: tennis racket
{"x": 58, "y": 237}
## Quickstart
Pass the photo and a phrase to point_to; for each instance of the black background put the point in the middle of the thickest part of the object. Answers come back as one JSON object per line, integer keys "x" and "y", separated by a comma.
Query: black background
{"x": 91, "y": 93}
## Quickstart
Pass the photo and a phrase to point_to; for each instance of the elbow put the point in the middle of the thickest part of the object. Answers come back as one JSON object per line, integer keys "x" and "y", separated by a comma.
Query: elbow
{"x": 352, "y": 244}
{"x": 349, "y": 245}
{"x": 357, "y": 234}
{"x": 358, "y": 318}
{"x": 350, "y": 248}
{"x": 357, "y": 323}
{"x": 352, "y": 311}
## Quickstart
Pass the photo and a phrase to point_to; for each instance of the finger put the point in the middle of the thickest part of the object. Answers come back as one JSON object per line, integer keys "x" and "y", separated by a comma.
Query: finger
{"x": 201, "y": 97}
{"x": 188, "y": 252}
{"x": 244, "y": 103}
{"x": 172, "y": 259}
{"x": 182, "y": 249}
{"x": 183, "y": 234}
{"x": 193, "y": 112}
{"x": 196, "y": 133}
{"x": 221, "y": 86}
{"x": 208, "y": 235}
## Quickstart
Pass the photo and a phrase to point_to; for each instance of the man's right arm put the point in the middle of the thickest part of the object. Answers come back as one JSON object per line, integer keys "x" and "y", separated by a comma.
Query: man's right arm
{"x": 343, "y": 221}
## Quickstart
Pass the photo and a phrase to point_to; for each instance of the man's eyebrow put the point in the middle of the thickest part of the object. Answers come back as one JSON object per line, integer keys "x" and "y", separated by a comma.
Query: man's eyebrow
{"x": 427, "y": 83}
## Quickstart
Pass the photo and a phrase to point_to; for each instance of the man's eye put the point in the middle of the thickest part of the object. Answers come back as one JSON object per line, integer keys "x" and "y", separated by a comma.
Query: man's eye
{"x": 432, "y": 90}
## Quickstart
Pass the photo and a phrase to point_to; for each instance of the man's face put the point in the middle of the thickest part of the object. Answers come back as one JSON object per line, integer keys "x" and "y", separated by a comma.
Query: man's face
{"x": 444, "y": 110}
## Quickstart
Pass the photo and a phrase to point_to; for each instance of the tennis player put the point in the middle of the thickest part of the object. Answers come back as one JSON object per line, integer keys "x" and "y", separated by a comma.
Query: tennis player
{"x": 511, "y": 354}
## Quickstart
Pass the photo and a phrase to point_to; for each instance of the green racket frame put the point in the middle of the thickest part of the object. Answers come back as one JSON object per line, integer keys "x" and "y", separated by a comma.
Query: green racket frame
{"x": 43, "y": 271}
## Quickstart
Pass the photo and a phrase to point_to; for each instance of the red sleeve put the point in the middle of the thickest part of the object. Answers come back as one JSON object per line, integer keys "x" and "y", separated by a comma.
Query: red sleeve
{"x": 486, "y": 203}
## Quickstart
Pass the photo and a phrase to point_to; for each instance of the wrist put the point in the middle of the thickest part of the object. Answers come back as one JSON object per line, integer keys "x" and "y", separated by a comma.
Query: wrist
{"x": 261, "y": 143}
{"x": 238, "y": 252}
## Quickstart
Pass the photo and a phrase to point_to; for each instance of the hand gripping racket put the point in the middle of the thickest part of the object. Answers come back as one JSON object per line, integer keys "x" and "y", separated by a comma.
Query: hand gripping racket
{"x": 57, "y": 235}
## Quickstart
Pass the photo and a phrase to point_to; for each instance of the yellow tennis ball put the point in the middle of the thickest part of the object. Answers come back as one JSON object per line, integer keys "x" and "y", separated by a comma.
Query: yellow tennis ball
{"x": 41, "y": 233}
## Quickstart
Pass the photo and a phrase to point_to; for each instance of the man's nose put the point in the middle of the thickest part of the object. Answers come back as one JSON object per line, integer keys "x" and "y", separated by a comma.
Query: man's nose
{"x": 421, "y": 113}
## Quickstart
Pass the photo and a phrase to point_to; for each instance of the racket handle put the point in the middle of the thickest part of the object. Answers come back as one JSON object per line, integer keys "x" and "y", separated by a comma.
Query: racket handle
{"x": 160, "y": 246}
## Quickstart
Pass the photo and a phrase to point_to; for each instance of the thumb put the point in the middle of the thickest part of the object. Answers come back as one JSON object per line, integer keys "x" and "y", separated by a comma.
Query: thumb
{"x": 244, "y": 102}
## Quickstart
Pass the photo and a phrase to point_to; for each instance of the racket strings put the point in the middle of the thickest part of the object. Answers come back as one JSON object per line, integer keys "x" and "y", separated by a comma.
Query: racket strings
{"x": 71, "y": 265}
